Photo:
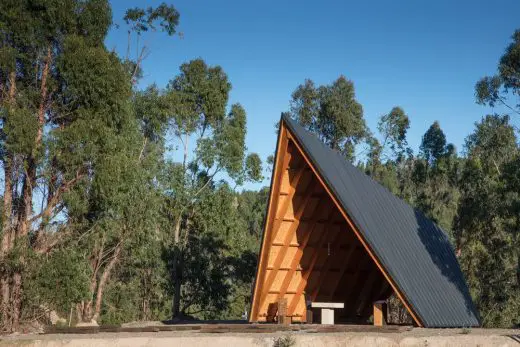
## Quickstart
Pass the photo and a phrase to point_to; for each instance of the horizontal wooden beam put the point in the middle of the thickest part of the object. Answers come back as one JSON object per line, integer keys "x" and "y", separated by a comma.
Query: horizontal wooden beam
{"x": 284, "y": 268}
{"x": 309, "y": 220}
{"x": 311, "y": 246}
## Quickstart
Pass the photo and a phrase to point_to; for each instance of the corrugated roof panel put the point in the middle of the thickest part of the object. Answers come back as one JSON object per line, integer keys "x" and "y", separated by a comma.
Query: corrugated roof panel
{"x": 414, "y": 251}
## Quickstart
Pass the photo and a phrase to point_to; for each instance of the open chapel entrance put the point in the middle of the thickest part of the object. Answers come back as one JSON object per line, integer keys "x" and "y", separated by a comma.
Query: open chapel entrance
{"x": 310, "y": 252}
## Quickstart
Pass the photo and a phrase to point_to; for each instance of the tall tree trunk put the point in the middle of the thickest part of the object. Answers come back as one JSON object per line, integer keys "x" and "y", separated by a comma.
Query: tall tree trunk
{"x": 85, "y": 309}
{"x": 7, "y": 237}
{"x": 177, "y": 282}
{"x": 103, "y": 280}
{"x": 25, "y": 208}
{"x": 22, "y": 243}
{"x": 176, "y": 266}
{"x": 177, "y": 270}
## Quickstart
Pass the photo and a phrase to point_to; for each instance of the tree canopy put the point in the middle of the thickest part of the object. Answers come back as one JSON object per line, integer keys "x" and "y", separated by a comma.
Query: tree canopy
{"x": 122, "y": 203}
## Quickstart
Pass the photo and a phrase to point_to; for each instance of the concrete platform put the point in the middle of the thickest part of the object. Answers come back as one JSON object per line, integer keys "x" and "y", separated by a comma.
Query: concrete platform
{"x": 309, "y": 337}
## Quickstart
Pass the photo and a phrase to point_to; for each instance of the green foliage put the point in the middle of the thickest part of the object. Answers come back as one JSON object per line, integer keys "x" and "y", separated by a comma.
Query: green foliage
{"x": 433, "y": 144}
{"x": 120, "y": 213}
{"x": 485, "y": 229}
{"x": 139, "y": 289}
{"x": 57, "y": 281}
{"x": 151, "y": 111}
{"x": 220, "y": 253}
{"x": 142, "y": 20}
{"x": 253, "y": 167}
{"x": 284, "y": 341}
{"x": 332, "y": 113}
{"x": 475, "y": 198}
{"x": 66, "y": 110}
{"x": 491, "y": 90}
{"x": 394, "y": 126}
{"x": 139, "y": 218}
{"x": 20, "y": 129}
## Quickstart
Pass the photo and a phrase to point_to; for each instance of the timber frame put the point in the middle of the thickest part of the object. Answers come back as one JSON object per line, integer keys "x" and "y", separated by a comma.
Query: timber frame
{"x": 311, "y": 249}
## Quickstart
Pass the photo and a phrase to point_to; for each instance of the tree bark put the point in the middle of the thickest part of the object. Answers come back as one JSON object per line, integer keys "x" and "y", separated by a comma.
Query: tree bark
{"x": 7, "y": 215}
{"x": 85, "y": 308}
{"x": 177, "y": 279}
{"x": 6, "y": 237}
{"x": 21, "y": 242}
{"x": 104, "y": 278}
{"x": 25, "y": 208}
{"x": 176, "y": 269}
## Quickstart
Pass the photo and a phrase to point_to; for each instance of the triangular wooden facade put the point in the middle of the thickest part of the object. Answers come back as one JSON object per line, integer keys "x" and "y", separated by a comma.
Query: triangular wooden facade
{"x": 310, "y": 249}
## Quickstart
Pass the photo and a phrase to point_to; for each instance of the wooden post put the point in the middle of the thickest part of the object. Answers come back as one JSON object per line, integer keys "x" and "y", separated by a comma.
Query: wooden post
{"x": 380, "y": 311}
{"x": 308, "y": 316}
{"x": 308, "y": 310}
{"x": 282, "y": 312}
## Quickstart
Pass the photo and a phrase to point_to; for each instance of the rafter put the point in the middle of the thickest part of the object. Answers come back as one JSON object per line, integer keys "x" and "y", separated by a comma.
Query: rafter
{"x": 326, "y": 266}
{"x": 344, "y": 266}
{"x": 355, "y": 277}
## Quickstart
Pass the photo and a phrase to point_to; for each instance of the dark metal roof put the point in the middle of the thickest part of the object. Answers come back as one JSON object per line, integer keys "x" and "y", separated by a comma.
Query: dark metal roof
{"x": 413, "y": 250}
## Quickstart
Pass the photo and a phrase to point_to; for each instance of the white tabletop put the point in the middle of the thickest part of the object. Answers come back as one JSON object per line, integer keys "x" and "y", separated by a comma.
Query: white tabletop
{"x": 327, "y": 304}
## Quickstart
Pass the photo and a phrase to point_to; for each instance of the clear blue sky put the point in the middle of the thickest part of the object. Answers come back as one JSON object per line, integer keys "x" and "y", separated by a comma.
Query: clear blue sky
{"x": 424, "y": 56}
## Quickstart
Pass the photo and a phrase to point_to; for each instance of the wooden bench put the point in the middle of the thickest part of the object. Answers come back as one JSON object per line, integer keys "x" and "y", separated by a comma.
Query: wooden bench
{"x": 327, "y": 310}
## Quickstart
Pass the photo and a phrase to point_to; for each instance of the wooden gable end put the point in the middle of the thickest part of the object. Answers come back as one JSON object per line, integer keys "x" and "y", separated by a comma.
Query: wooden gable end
{"x": 310, "y": 249}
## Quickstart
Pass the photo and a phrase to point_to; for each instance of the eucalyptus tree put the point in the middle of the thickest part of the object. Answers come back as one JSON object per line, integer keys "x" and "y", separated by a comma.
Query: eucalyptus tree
{"x": 503, "y": 88}
{"x": 119, "y": 219}
{"x": 63, "y": 95}
{"x": 211, "y": 144}
{"x": 384, "y": 157}
{"x": 433, "y": 144}
{"x": 332, "y": 113}
{"x": 393, "y": 127}
{"x": 67, "y": 133}
{"x": 485, "y": 229}
{"x": 495, "y": 147}
{"x": 435, "y": 176}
